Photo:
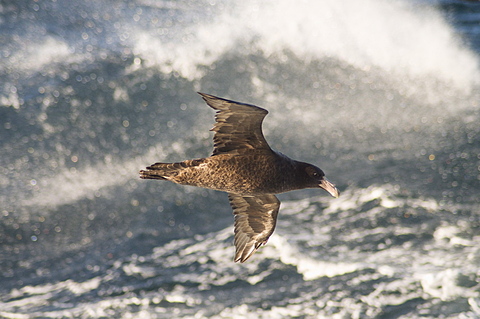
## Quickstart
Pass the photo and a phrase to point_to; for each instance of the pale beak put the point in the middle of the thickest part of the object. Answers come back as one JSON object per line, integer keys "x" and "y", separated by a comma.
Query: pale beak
{"x": 329, "y": 187}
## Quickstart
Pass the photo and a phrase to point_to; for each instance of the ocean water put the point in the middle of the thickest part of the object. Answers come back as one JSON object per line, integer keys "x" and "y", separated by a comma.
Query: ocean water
{"x": 382, "y": 95}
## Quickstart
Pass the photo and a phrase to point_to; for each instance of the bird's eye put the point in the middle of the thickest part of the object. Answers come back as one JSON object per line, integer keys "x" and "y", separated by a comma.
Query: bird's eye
{"x": 315, "y": 174}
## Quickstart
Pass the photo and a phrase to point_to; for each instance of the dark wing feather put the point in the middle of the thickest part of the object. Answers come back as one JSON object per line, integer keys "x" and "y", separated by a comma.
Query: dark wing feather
{"x": 255, "y": 219}
{"x": 238, "y": 127}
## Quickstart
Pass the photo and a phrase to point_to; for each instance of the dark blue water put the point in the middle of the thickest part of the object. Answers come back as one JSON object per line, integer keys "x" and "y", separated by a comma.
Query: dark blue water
{"x": 382, "y": 95}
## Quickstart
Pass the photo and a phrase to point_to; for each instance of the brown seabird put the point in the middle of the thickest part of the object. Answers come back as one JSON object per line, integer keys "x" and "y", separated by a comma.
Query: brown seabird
{"x": 244, "y": 166}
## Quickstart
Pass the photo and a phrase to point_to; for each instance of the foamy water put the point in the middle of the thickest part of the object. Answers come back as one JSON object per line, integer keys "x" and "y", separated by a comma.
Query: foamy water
{"x": 382, "y": 95}
{"x": 376, "y": 35}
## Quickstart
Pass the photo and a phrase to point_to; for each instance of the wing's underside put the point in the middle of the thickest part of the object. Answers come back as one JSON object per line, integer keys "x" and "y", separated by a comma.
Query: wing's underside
{"x": 255, "y": 220}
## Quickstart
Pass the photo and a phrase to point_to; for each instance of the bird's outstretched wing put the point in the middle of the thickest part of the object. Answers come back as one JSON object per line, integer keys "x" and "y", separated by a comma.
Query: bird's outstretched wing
{"x": 238, "y": 127}
{"x": 255, "y": 219}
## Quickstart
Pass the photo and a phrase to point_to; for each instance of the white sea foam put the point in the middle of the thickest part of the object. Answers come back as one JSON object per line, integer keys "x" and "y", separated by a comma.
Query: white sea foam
{"x": 243, "y": 311}
{"x": 452, "y": 234}
{"x": 309, "y": 268}
{"x": 443, "y": 285}
{"x": 386, "y": 195}
{"x": 412, "y": 273}
{"x": 31, "y": 296}
{"x": 71, "y": 185}
{"x": 184, "y": 57}
{"x": 37, "y": 54}
{"x": 77, "y": 288}
{"x": 396, "y": 36}
{"x": 393, "y": 35}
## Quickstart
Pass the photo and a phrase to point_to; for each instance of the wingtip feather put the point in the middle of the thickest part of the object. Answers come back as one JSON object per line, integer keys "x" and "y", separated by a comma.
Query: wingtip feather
{"x": 244, "y": 254}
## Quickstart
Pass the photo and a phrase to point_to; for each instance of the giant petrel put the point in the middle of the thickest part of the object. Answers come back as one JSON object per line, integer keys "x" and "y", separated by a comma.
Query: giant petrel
{"x": 244, "y": 166}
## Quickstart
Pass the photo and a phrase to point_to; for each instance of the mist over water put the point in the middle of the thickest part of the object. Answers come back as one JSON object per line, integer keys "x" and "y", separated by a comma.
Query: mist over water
{"x": 382, "y": 95}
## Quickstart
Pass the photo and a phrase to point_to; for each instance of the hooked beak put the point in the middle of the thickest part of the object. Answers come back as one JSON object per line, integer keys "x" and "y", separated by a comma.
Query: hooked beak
{"x": 329, "y": 187}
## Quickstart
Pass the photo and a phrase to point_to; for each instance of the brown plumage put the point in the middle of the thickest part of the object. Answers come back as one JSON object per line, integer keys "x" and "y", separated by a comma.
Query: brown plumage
{"x": 244, "y": 166}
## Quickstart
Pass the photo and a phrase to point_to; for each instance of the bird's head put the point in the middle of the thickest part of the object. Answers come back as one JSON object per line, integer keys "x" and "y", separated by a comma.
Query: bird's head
{"x": 315, "y": 177}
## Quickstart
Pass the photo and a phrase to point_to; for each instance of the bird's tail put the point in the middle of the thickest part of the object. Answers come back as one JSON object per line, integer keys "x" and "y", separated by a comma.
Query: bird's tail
{"x": 167, "y": 170}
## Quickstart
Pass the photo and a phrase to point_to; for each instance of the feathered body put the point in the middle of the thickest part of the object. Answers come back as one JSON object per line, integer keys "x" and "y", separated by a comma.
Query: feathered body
{"x": 244, "y": 166}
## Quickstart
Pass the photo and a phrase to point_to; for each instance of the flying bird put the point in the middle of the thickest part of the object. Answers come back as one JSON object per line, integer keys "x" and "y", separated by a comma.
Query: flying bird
{"x": 244, "y": 166}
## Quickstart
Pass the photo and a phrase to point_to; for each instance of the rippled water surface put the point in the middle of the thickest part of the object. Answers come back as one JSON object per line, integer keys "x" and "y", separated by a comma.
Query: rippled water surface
{"x": 382, "y": 95}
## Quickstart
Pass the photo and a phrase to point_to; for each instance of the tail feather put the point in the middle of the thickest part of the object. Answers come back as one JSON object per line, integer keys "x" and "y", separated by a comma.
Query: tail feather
{"x": 151, "y": 174}
{"x": 167, "y": 170}
{"x": 160, "y": 171}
